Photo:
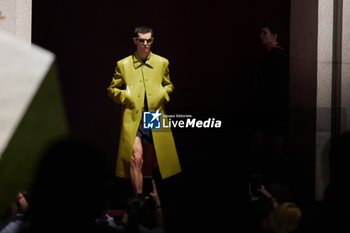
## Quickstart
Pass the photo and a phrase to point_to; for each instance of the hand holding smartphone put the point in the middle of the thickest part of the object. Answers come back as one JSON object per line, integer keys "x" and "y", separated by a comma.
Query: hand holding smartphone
{"x": 255, "y": 183}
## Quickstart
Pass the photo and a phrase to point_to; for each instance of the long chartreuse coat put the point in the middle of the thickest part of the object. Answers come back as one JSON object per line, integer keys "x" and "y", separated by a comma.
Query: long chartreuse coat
{"x": 132, "y": 80}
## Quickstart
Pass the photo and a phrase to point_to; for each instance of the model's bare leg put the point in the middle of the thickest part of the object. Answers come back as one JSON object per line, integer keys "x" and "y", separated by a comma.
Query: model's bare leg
{"x": 149, "y": 158}
{"x": 136, "y": 166}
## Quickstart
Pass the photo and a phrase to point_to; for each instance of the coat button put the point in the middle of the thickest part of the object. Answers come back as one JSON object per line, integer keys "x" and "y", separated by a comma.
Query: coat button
{"x": 137, "y": 111}
{"x": 138, "y": 95}
{"x": 140, "y": 81}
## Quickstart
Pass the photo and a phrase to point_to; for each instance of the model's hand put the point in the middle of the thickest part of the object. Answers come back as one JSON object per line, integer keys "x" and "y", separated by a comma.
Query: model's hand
{"x": 129, "y": 103}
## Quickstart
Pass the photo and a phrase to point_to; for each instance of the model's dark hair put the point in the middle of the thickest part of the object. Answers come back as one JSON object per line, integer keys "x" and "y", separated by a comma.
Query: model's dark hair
{"x": 275, "y": 27}
{"x": 142, "y": 30}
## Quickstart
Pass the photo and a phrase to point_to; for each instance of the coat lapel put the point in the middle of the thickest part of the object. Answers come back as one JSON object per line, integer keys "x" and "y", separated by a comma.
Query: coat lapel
{"x": 138, "y": 62}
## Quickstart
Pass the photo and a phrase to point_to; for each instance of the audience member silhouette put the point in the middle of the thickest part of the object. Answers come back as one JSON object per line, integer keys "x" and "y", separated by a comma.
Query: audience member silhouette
{"x": 69, "y": 191}
{"x": 264, "y": 197}
{"x": 143, "y": 214}
{"x": 285, "y": 218}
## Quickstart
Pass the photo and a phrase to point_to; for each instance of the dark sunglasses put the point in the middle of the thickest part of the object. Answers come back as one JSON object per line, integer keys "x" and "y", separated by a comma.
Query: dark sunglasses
{"x": 143, "y": 40}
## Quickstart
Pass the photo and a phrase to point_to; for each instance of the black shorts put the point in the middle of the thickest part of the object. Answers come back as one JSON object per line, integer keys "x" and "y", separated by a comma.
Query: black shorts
{"x": 144, "y": 134}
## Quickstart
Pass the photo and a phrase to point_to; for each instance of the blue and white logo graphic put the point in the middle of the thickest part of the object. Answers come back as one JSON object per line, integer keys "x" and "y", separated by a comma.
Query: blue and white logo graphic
{"x": 151, "y": 120}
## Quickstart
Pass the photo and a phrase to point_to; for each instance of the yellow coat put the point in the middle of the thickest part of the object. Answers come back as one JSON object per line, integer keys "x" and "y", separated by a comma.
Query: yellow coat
{"x": 131, "y": 81}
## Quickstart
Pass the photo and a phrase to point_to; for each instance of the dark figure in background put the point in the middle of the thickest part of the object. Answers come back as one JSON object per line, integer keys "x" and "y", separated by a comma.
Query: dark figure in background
{"x": 272, "y": 98}
{"x": 69, "y": 190}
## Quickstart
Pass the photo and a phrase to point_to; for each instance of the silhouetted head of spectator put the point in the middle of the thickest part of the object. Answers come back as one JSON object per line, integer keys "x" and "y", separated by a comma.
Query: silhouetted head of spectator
{"x": 135, "y": 210}
{"x": 283, "y": 219}
{"x": 70, "y": 186}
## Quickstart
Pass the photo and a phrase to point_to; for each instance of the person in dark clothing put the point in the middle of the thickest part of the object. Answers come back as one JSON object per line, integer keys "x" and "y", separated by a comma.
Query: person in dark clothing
{"x": 272, "y": 98}
{"x": 272, "y": 82}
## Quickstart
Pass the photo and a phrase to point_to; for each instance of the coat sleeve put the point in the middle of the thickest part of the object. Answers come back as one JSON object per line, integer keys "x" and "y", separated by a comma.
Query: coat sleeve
{"x": 116, "y": 89}
{"x": 167, "y": 85}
